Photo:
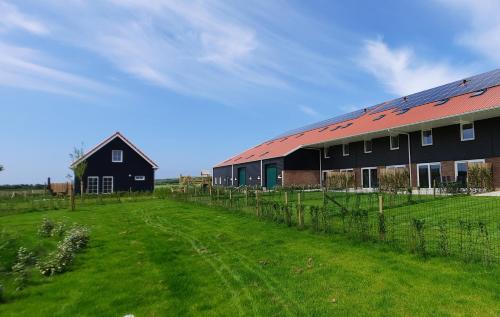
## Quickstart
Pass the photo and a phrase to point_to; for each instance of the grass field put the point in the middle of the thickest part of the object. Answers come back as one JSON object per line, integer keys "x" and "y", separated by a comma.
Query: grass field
{"x": 164, "y": 258}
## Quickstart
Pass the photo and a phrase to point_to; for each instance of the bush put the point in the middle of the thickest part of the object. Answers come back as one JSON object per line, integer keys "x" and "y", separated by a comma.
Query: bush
{"x": 58, "y": 261}
{"x": 480, "y": 176}
{"x": 340, "y": 180}
{"x": 394, "y": 179}
{"x": 78, "y": 237}
{"x": 59, "y": 229}
{"x": 20, "y": 268}
{"x": 2, "y": 297}
{"x": 46, "y": 227}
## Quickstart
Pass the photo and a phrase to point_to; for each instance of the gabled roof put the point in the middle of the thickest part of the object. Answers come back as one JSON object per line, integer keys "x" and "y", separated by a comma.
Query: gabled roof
{"x": 474, "y": 95}
{"x": 111, "y": 138}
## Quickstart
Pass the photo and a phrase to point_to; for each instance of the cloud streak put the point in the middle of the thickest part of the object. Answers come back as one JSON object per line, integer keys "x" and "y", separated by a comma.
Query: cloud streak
{"x": 27, "y": 68}
{"x": 12, "y": 18}
{"x": 401, "y": 71}
{"x": 483, "y": 32}
{"x": 224, "y": 51}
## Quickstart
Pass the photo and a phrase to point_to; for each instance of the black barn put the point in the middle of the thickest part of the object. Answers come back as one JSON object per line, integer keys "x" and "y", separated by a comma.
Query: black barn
{"x": 116, "y": 165}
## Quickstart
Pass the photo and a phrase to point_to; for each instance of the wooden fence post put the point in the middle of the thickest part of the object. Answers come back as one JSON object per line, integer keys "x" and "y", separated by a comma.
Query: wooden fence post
{"x": 434, "y": 188}
{"x": 257, "y": 204}
{"x": 286, "y": 198}
{"x": 324, "y": 196}
{"x": 381, "y": 228}
{"x": 71, "y": 198}
{"x": 246, "y": 197}
{"x": 300, "y": 214}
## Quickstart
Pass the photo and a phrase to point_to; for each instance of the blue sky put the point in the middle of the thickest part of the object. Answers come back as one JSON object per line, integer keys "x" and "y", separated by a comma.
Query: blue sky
{"x": 195, "y": 82}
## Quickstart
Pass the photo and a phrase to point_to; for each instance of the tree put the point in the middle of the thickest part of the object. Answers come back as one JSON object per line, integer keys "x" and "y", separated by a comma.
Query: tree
{"x": 79, "y": 169}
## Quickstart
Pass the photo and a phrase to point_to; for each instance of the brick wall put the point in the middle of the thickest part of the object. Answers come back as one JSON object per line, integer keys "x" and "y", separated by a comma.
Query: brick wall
{"x": 291, "y": 177}
{"x": 495, "y": 162}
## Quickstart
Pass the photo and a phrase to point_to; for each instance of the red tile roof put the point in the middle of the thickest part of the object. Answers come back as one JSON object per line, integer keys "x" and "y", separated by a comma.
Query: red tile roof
{"x": 365, "y": 124}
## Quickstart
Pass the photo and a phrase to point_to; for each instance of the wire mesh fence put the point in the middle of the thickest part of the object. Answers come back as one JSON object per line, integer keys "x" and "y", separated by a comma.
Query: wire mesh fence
{"x": 461, "y": 226}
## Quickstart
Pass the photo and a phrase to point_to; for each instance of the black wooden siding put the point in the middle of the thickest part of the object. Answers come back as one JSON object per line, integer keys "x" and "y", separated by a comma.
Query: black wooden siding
{"x": 447, "y": 146}
{"x": 252, "y": 170}
{"x": 100, "y": 164}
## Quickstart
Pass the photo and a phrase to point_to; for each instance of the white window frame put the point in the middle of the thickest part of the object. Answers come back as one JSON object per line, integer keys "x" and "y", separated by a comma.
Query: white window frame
{"x": 343, "y": 170}
{"x": 113, "y": 156}
{"x": 364, "y": 146}
{"x": 422, "y": 137}
{"x": 139, "y": 178}
{"x": 462, "y": 132}
{"x": 325, "y": 151}
{"x": 343, "y": 149}
{"x": 390, "y": 142}
{"x": 369, "y": 177}
{"x": 112, "y": 184}
{"x": 88, "y": 182}
{"x": 395, "y": 166}
{"x": 466, "y": 161}
{"x": 429, "y": 173}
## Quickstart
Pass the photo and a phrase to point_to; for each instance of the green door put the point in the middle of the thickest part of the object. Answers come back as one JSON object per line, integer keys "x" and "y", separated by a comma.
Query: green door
{"x": 271, "y": 175}
{"x": 242, "y": 176}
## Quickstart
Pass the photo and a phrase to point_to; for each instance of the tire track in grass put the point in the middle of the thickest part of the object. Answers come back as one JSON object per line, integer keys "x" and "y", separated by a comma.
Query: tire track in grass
{"x": 218, "y": 271}
{"x": 256, "y": 271}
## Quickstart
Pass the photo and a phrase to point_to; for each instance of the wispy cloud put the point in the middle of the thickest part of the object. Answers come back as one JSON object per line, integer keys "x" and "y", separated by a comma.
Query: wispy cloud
{"x": 27, "y": 68}
{"x": 309, "y": 111}
{"x": 401, "y": 71}
{"x": 226, "y": 51}
{"x": 12, "y": 18}
{"x": 482, "y": 25}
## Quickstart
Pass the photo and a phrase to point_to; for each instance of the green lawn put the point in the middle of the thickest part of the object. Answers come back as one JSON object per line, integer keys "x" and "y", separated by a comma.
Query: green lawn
{"x": 164, "y": 258}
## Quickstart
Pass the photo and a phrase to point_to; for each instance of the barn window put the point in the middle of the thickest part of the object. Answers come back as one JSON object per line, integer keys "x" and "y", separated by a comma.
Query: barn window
{"x": 345, "y": 149}
{"x": 467, "y": 131}
{"x": 117, "y": 156}
{"x": 140, "y": 178}
{"x": 107, "y": 184}
{"x": 93, "y": 185}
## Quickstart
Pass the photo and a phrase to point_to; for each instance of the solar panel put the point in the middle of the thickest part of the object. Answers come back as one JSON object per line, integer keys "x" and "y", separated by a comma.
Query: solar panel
{"x": 332, "y": 121}
{"x": 459, "y": 87}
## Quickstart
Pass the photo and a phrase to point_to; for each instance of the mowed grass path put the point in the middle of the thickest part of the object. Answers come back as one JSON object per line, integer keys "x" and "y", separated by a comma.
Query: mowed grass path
{"x": 164, "y": 258}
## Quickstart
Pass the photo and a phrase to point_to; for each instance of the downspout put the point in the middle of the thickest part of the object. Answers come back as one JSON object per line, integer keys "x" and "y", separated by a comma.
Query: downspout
{"x": 261, "y": 176}
{"x": 232, "y": 175}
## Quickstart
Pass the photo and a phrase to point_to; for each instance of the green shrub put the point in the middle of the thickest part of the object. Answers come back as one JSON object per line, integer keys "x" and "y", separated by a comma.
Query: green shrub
{"x": 59, "y": 229}
{"x": 59, "y": 260}
{"x": 46, "y": 227}
{"x": 2, "y": 297}
{"x": 20, "y": 268}
{"x": 78, "y": 237}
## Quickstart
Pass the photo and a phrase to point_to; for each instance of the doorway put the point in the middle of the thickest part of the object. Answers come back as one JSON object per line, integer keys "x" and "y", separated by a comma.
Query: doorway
{"x": 369, "y": 177}
{"x": 271, "y": 176}
{"x": 242, "y": 176}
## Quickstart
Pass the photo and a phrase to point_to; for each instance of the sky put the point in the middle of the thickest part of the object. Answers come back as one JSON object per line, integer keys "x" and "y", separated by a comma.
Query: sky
{"x": 192, "y": 83}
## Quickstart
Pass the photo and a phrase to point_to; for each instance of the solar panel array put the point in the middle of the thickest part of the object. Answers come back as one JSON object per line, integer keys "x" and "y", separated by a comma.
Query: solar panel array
{"x": 453, "y": 89}
{"x": 324, "y": 123}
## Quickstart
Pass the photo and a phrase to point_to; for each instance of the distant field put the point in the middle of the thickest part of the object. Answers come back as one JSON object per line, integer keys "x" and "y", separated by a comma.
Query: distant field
{"x": 165, "y": 258}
